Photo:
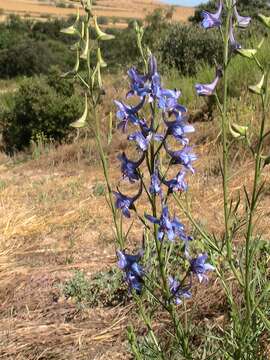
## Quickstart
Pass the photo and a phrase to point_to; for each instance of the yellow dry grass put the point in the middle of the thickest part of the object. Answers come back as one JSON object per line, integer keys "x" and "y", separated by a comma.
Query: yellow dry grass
{"x": 52, "y": 222}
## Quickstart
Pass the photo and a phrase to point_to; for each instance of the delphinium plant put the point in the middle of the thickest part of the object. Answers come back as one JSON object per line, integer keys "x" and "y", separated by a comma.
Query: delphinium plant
{"x": 161, "y": 269}
{"x": 242, "y": 264}
{"x": 160, "y": 273}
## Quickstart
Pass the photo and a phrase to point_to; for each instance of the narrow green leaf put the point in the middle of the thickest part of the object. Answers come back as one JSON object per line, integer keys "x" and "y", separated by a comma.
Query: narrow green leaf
{"x": 110, "y": 128}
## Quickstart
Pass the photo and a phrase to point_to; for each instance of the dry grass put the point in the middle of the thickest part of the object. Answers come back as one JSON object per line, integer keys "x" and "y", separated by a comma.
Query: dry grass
{"x": 124, "y": 9}
{"x": 51, "y": 222}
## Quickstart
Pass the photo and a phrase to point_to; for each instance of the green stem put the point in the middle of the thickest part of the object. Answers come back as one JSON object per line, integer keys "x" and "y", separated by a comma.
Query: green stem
{"x": 253, "y": 204}
{"x": 107, "y": 179}
{"x": 225, "y": 127}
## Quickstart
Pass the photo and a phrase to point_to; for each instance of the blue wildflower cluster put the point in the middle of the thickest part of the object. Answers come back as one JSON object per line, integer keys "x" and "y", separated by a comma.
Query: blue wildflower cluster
{"x": 151, "y": 136}
{"x": 214, "y": 20}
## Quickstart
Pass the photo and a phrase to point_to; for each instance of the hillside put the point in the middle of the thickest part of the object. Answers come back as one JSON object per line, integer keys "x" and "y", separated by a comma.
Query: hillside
{"x": 121, "y": 10}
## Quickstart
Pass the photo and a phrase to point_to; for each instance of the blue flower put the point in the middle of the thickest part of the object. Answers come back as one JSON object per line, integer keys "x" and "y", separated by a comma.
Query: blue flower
{"x": 199, "y": 267}
{"x": 128, "y": 262}
{"x": 154, "y": 78}
{"x": 210, "y": 20}
{"x": 208, "y": 89}
{"x": 168, "y": 101}
{"x": 138, "y": 84}
{"x": 155, "y": 185}
{"x": 141, "y": 140}
{"x": 177, "y": 183}
{"x": 126, "y": 203}
{"x": 165, "y": 224}
{"x": 233, "y": 43}
{"x": 130, "y": 168}
{"x": 148, "y": 131}
{"x": 178, "y": 291}
{"x": 242, "y": 21}
{"x": 133, "y": 271}
{"x": 128, "y": 113}
{"x": 178, "y": 129}
{"x": 179, "y": 230}
{"x": 184, "y": 157}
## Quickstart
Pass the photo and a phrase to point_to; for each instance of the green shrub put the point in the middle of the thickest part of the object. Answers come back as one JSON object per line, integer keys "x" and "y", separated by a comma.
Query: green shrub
{"x": 61, "y": 4}
{"x": 186, "y": 48}
{"x": 39, "y": 106}
{"x": 31, "y": 57}
{"x": 103, "y": 20}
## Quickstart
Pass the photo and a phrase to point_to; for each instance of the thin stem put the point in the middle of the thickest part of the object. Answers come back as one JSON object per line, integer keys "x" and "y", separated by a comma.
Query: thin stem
{"x": 224, "y": 136}
{"x": 253, "y": 204}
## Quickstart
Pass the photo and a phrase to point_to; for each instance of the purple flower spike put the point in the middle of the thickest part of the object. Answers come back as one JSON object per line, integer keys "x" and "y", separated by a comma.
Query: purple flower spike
{"x": 155, "y": 186}
{"x": 210, "y": 20}
{"x": 137, "y": 84}
{"x": 178, "y": 291}
{"x": 168, "y": 101}
{"x": 234, "y": 44}
{"x": 242, "y": 21}
{"x": 128, "y": 114}
{"x": 165, "y": 224}
{"x": 133, "y": 271}
{"x": 179, "y": 230}
{"x": 142, "y": 142}
{"x": 176, "y": 184}
{"x": 126, "y": 203}
{"x": 130, "y": 262}
{"x": 183, "y": 157}
{"x": 130, "y": 168}
{"x": 208, "y": 89}
{"x": 152, "y": 67}
{"x": 199, "y": 267}
{"x": 178, "y": 129}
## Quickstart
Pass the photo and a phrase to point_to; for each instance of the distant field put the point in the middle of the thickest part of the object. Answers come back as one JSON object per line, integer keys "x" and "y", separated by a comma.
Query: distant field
{"x": 119, "y": 9}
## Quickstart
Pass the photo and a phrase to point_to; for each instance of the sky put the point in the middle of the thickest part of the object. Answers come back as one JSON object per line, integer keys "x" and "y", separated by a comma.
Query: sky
{"x": 184, "y": 2}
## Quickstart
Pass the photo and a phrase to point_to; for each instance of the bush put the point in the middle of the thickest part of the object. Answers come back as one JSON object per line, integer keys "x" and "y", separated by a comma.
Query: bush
{"x": 103, "y": 20}
{"x": 40, "y": 106}
{"x": 31, "y": 57}
{"x": 187, "y": 48}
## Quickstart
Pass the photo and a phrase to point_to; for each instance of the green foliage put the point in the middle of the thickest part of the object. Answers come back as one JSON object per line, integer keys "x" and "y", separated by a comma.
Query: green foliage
{"x": 61, "y": 4}
{"x": 28, "y": 48}
{"x": 186, "y": 48}
{"x": 40, "y": 106}
{"x": 104, "y": 289}
{"x": 103, "y": 20}
{"x": 99, "y": 190}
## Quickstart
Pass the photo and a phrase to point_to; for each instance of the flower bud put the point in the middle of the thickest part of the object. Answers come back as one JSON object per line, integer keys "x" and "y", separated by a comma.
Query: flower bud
{"x": 100, "y": 34}
{"x": 265, "y": 20}
{"x": 238, "y": 131}
{"x": 81, "y": 123}
{"x": 258, "y": 88}
{"x": 72, "y": 30}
